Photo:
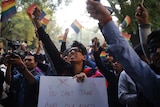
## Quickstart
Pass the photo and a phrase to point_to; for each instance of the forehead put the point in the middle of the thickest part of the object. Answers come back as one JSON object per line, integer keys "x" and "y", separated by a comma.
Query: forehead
{"x": 29, "y": 57}
{"x": 74, "y": 48}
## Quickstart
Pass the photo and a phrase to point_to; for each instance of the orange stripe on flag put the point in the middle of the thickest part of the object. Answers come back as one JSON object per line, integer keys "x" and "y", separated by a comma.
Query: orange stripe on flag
{"x": 30, "y": 10}
{"x": 126, "y": 21}
{"x": 60, "y": 38}
{"x": 126, "y": 36}
{"x": 44, "y": 22}
{"x": 8, "y": 9}
{"x": 103, "y": 54}
{"x": 77, "y": 24}
{"x": 7, "y": 6}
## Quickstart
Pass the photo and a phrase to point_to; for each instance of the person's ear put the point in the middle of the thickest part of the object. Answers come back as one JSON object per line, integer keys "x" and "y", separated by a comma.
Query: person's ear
{"x": 84, "y": 57}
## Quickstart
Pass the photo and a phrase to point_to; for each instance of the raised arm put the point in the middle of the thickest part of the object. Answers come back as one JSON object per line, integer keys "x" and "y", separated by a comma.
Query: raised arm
{"x": 49, "y": 46}
{"x": 144, "y": 27}
{"x": 142, "y": 74}
{"x": 63, "y": 45}
{"x": 18, "y": 61}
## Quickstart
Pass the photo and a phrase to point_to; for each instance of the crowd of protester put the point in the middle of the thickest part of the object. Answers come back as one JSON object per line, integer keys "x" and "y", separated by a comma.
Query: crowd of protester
{"x": 131, "y": 73}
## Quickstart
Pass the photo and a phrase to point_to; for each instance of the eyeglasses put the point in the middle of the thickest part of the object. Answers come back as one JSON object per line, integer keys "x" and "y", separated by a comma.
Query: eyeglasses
{"x": 153, "y": 50}
{"x": 27, "y": 59}
{"x": 75, "y": 49}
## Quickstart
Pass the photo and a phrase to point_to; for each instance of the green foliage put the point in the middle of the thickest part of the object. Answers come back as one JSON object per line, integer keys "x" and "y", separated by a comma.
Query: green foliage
{"x": 128, "y": 7}
{"x": 20, "y": 27}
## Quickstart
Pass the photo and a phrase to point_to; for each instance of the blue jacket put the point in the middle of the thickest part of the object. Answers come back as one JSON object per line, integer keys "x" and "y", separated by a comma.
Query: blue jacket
{"x": 147, "y": 81}
{"x": 26, "y": 94}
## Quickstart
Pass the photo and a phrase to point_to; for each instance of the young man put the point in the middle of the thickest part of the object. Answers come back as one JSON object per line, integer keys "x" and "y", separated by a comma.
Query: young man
{"x": 76, "y": 55}
{"x": 25, "y": 84}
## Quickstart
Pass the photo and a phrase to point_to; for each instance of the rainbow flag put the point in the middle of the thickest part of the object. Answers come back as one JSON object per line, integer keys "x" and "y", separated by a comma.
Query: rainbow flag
{"x": 126, "y": 36}
{"x": 126, "y": 21}
{"x": 60, "y": 38}
{"x": 44, "y": 22}
{"x": 42, "y": 15}
{"x": 31, "y": 9}
{"x": 8, "y": 9}
{"x": 103, "y": 55}
{"x": 76, "y": 26}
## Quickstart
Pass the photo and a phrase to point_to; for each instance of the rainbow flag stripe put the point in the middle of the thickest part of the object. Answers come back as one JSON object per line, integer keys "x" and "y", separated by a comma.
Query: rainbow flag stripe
{"x": 103, "y": 55}
{"x": 44, "y": 22}
{"x": 126, "y": 36}
{"x": 30, "y": 11}
{"x": 8, "y": 9}
{"x": 76, "y": 26}
{"x": 126, "y": 21}
{"x": 60, "y": 38}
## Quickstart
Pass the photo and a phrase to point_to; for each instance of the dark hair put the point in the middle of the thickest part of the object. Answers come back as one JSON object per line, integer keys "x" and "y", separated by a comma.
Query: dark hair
{"x": 34, "y": 55}
{"x": 153, "y": 41}
{"x": 80, "y": 46}
{"x": 40, "y": 57}
{"x": 65, "y": 53}
{"x": 138, "y": 49}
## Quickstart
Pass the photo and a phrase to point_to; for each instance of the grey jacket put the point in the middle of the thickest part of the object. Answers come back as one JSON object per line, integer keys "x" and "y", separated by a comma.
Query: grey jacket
{"x": 127, "y": 93}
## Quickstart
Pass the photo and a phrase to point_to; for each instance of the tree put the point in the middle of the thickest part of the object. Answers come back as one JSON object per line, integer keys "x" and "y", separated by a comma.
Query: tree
{"x": 19, "y": 27}
{"x": 128, "y": 7}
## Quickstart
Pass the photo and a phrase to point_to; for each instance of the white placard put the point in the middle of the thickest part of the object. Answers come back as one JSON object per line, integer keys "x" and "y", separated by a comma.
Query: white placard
{"x": 63, "y": 91}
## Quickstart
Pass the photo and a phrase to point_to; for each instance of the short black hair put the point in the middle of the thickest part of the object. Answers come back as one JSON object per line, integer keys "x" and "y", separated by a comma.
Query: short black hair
{"x": 80, "y": 46}
{"x": 39, "y": 57}
{"x": 34, "y": 55}
{"x": 65, "y": 53}
{"x": 153, "y": 41}
{"x": 138, "y": 49}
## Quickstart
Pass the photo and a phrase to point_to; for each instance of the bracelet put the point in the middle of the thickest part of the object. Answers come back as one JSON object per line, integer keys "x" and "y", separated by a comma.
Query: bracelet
{"x": 108, "y": 20}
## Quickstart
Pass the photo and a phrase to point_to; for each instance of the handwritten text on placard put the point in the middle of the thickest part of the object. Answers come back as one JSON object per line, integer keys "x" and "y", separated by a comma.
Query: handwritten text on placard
{"x": 67, "y": 92}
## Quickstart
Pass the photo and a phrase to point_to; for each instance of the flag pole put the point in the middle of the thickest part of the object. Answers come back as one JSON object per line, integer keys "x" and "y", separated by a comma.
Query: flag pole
{"x": 141, "y": 39}
{"x": 142, "y": 1}
{"x": 81, "y": 35}
{"x": 76, "y": 37}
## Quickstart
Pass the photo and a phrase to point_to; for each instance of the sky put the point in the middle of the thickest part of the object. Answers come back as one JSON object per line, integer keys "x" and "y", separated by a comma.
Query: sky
{"x": 65, "y": 15}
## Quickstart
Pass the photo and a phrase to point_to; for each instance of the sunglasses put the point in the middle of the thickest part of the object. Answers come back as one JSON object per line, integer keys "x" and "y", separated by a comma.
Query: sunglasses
{"x": 75, "y": 49}
{"x": 27, "y": 59}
